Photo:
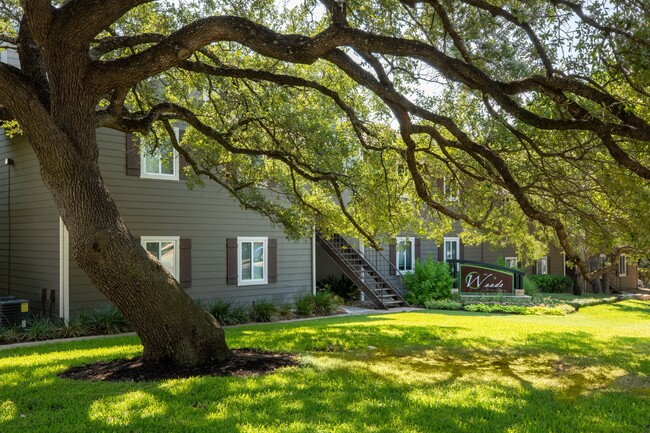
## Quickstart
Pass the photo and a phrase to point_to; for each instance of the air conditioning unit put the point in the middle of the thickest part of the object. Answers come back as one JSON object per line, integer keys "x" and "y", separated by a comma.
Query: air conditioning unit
{"x": 13, "y": 311}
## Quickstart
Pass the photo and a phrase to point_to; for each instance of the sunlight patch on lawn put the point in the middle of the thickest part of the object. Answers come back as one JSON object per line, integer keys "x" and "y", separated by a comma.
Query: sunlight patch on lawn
{"x": 8, "y": 411}
{"x": 122, "y": 409}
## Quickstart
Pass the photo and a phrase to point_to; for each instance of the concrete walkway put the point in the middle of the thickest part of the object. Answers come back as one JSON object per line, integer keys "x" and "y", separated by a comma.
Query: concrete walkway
{"x": 349, "y": 311}
{"x": 356, "y": 311}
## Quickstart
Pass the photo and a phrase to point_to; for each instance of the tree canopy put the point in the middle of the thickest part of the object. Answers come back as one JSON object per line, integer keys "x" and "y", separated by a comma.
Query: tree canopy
{"x": 525, "y": 121}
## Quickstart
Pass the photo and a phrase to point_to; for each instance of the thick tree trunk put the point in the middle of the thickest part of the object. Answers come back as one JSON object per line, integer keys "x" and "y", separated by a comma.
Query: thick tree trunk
{"x": 171, "y": 326}
{"x": 61, "y": 128}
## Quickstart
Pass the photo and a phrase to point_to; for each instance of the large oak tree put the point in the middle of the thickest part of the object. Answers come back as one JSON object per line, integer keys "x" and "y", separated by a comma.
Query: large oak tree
{"x": 525, "y": 121}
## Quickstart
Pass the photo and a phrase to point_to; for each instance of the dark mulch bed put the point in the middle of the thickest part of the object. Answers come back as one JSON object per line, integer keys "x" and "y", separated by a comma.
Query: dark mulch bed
{"x": 243, "y": 362}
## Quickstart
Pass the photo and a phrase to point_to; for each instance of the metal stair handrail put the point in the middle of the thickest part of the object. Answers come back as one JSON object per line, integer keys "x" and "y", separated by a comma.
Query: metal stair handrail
{"x": 398, "y": 291}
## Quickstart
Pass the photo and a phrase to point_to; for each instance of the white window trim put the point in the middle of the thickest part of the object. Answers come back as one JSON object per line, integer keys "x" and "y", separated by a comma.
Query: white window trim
{"x": 444, "y": 247}
{"x": 397, "y": 252}
{"x": 516, "y": 260}
{"x": 251, "y": 282}
{"x": 538, "y": 265}
{"x": 620, "y": 271}
{"x": 450, "y": 189}
{"x": 175, "y": 164}
{"x": 177, "y": 256}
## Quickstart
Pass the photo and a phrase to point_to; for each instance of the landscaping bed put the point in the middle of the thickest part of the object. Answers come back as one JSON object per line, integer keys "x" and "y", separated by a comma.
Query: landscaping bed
{"x": 109, "y": 321}
{"x": 539, "y": 304}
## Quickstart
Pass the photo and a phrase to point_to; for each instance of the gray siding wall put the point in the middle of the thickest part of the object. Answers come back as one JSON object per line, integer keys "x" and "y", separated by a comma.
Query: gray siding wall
{"x": 208, "y": 216}
{"x": 10, "y": 57}
{"x": 33, "y": 262}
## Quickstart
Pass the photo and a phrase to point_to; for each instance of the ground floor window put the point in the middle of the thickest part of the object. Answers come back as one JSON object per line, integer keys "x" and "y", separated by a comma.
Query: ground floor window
{"x": 405, "y": 254}
{"x": 452, "y": 249}
{"x": 542, "y": 265}
{"x": 252, "y": 260}
{"x": 165, "y": 249}
{"x": 511, "y": 262}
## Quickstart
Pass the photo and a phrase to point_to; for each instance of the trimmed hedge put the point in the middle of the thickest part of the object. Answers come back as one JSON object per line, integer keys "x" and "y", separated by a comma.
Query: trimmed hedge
{"x": 443, "y": 304}
{"x": 540, "y": 310}
{"x": 548, "y": 283}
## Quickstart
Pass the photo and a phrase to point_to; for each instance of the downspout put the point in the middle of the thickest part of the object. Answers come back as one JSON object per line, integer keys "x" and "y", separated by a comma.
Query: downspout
{"x": 64, "y": 272}
{"x": 313, "y": 261}
{"x": 9, "y": 162}
{"x": 362, "y": 250}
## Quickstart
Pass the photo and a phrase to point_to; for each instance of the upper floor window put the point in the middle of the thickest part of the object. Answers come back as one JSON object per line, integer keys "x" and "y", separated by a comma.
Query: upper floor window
{"x": 405, "y": 254}
{"x": 450, "y": 188}
{"x": 252, "y": 260}
{"x": 166, "y": 250}
{"x": 511, "y": 262}
{"x": 542, "y": 265}
{"x": 162, "y": 162}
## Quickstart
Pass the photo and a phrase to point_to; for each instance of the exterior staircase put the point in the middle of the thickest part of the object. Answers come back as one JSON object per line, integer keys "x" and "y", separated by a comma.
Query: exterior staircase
{"x": 382, "y": 290}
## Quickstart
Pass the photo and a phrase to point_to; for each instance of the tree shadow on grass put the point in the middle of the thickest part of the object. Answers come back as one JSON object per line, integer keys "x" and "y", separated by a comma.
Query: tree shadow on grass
{"x": 639, "y": 309}
{"x": 428, "y": 391}
{"x": 425, "y": 379}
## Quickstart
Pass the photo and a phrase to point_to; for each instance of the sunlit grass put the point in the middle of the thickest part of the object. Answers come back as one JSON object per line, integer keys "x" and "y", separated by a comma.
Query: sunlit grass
{"x": 414, "y": 372}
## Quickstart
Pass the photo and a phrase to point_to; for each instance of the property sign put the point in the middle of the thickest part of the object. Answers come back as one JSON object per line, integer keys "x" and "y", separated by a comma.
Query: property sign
{"x": 479, "y": 279}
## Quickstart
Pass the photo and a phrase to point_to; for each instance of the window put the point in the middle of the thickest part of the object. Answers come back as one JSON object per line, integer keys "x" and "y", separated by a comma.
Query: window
{"x": 165, "y": 249}
{"x": 450, "y": 188}
{"x": 622, "y": 266}
{"x": 511, "y": 262}
{"x": 542, "y": 265}
{"x": 161, "y": 163}
{"x": 405, "y": 254}
{"x": 452, "y": 249}
{"x": 252, "y": 261}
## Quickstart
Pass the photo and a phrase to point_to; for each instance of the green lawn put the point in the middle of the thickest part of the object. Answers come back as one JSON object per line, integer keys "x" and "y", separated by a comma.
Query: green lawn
{"x": 431, "y": 371}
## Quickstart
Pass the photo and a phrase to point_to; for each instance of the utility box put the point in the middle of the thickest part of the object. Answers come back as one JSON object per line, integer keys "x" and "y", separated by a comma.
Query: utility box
{"x": 13, "y": 311}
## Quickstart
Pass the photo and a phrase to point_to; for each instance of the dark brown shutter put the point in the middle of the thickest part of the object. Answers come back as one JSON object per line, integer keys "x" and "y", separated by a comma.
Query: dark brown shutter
{"x": 534, "y": 271}
{"x": 273, "y": 261}
{"x": 231, "y": 261}
{"x": 461, "y": 249}
{"x": 186, "y": 263}
{"x": 392, "y": 256}
{"x": 441, "y": 253}
{"x": 182, "y": 163}
{"x": 132, "y": 155}
{"x": 417, "y": 249}
{"x": 548, "y": 264}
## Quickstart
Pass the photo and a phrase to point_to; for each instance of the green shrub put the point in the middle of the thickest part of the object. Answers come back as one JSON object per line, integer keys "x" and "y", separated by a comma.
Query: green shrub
{"x": 106, "y": 320}
{"x": 530, "y": 286}
{"x": 326, "y": 302}
{"x": 40, "y": 328}
{"x": 227, "y": 312}
{"x": 285, "y": 310}
{"x": 76, "y": 327}
{"x": 495, "y": 308}
{"x": 11, "y": 334}
{"x": 304, "y": 305}
{"x": 549, "y": 283}
{"x": 429, "y": 280}
{"x": 443, "y": 304}
{"x": 341, "y": 286}
{"x": 262, "y": 311}
{"x": 554, "y": 310}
